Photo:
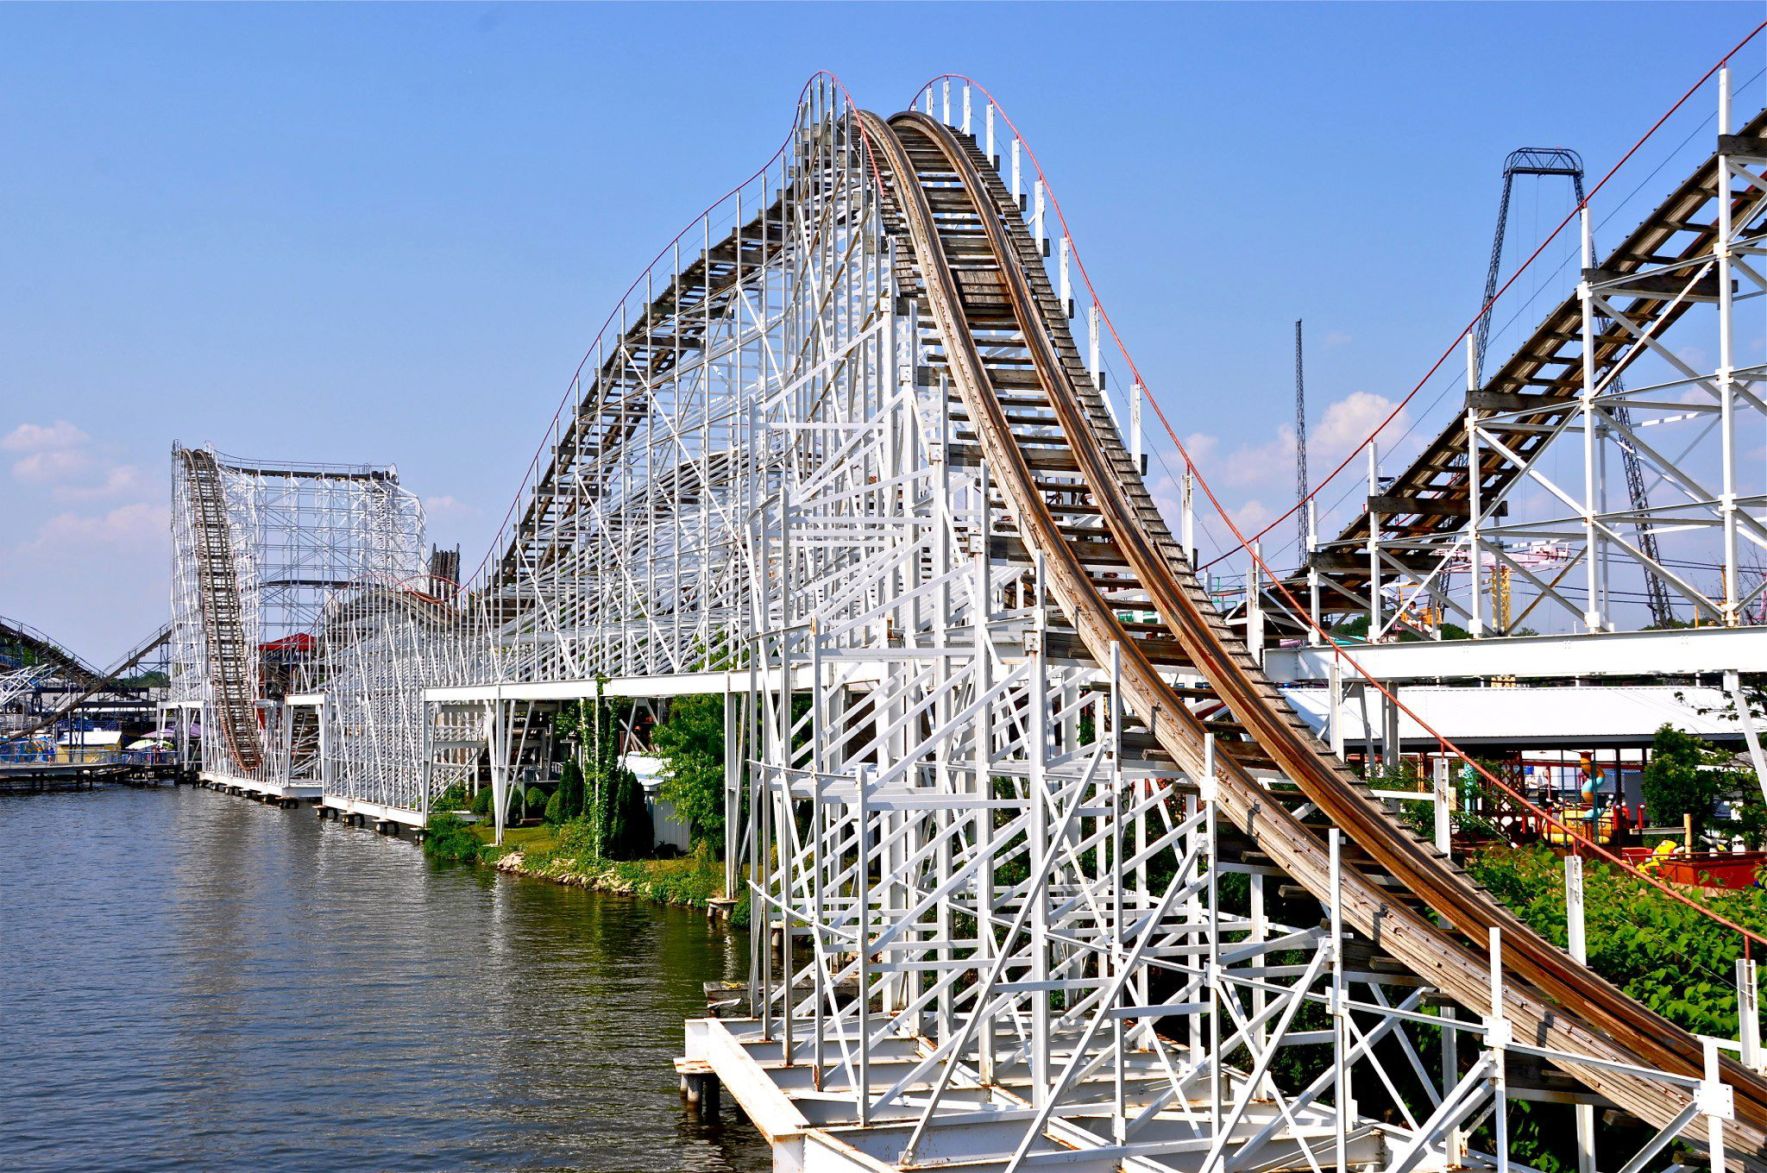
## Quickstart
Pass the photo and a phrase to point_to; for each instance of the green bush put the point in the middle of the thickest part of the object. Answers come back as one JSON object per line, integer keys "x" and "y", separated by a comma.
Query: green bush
{"x": 481, "y": 802}
{"x": 690, "y": 741}
{"x": 569, "y": 795}
{"x": 449, "y": 839}
{"x": 534, "y": 799}
{"x": 625, "y": 820}
{"x": 452, "y": 799}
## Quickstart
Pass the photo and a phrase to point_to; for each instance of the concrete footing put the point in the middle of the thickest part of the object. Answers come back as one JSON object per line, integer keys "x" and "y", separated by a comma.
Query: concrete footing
{"x": 700, "y": 1088}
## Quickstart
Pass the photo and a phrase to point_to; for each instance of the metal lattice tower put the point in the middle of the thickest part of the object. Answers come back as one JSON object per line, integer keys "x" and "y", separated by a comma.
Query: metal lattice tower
{"x": 1304, "y": 537}
{"x": 1549, "y": 161}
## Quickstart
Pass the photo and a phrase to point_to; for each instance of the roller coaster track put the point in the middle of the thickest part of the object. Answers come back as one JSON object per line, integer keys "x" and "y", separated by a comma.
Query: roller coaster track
{"x": 97, "y": 681}
{"x": 1431, "y": 500}
{"x": 615, "y": 404}
{"x": 30, "y": 639}
{"x": 228, "y": 646}
{"x": 1080, "y": 507}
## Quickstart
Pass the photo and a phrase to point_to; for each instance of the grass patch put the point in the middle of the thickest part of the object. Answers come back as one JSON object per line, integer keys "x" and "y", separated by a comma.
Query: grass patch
{"x": 562, "y": 854}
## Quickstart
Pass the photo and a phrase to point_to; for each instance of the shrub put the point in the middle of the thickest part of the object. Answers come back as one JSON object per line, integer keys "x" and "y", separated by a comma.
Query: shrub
{"x": 481, "y": 802}
{"x": 690, "y": 741}
{"x": 625, "y": 823}
{"x": 569, "y": 793}
{"x": 1668, "y": 956}
{"x": 448, "y": 839}
{"x": 452, "y": 799}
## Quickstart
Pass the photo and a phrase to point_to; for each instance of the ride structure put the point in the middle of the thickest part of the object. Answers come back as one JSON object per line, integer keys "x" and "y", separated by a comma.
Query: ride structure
{"x": 1042, "y": 865}
{"x": 297, "y": 608}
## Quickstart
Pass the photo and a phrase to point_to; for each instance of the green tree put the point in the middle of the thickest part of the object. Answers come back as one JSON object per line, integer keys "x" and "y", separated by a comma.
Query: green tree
{"x": 567, "y": 801}
{"x": 625, "y": 823}
{"x": 1684, "y": 778}
{"x": 690, "y": 742}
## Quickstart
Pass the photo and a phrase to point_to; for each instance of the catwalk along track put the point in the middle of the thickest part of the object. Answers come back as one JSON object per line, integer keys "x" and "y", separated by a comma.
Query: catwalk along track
{"x": 1030, "y": 411}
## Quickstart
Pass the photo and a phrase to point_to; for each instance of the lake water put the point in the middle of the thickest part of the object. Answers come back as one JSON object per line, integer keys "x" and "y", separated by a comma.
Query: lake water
{"x": 192, "y": 981}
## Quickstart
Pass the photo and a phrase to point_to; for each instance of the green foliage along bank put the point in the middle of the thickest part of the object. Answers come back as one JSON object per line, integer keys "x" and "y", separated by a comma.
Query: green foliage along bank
{"x": 1664, "y": 954}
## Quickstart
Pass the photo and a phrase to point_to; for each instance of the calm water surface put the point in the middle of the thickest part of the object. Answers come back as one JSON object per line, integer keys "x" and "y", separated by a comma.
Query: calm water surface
{"x": 190, "y": 981}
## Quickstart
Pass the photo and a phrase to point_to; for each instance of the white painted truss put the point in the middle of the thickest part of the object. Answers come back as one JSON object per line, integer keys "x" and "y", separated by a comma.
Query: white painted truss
{"x": 991, "y": 921}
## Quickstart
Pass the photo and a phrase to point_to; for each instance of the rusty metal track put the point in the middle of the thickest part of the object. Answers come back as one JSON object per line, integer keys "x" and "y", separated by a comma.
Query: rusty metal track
{"x": 1069, "y": 486}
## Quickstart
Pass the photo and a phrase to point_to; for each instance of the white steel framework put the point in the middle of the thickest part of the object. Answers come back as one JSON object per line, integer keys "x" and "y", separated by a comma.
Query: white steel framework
{"x": 992, "y": 919}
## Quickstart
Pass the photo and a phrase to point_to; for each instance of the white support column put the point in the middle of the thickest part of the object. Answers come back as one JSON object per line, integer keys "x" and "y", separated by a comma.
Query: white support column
{"x": 1335, "y": 711}
{"x": 1064, "y": 279}
{"x": 862, "y": 899}
{"x": 1717, "y": 1102}
{"x": 1254, "y": 608}
{"x": 1745, "y": 716}
{"x": 1392, "y": 750}
{"x": 1374, "y": 612}
{"x": 1188, "y": 522}
{"x": 1094, "y": 346}
{"x": 1136, "y": 392}
{"x": 1315, "y": 629}
{"x": 1475, "y": 504}
{"x": 1497, "y": 1037}
{"x": 1444, "y": 809}
{"x": 1578, "y": 945}
{"x": 1208, "y": 785}
{"x": 1345, "y": 1108}
{"x": 1591, "y": 540}
{"x": 1722, "y": 250}
{"x": 732, "y": 793}
{"x": 1040, "y": 847}
{"x": 1748, "y": 1013}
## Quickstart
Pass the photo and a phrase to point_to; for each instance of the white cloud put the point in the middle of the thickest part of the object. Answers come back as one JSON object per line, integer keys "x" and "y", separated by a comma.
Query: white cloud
{"x": 1347, "y": 423}
{"x": 1251, "y": 516}
{"x": 40, "y": 438}
{"x": 141, "y": 525}
{"x": 446, "y": 506}
{"x": 1201, "y": 446}
{"x": 1337, "y": 338}
{"x": 49, "y": 466}
{"x": 1262, "y": 463}
{"x": 122, "y": 480}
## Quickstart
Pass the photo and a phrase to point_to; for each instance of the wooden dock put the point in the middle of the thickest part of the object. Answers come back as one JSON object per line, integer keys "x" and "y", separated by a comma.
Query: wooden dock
{"x": 55, "y": 777}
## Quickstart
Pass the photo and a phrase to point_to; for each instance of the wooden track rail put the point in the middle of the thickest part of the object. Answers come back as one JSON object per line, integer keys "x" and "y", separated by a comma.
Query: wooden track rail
{"x": 228, "y": 645}
{"x": 1077, "y": 502}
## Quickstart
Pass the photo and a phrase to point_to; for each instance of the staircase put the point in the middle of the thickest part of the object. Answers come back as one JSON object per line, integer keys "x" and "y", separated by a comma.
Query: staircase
{"x": 229, "y": 649}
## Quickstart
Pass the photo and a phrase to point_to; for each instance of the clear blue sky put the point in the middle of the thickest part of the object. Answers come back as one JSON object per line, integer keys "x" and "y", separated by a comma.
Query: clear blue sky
{"x": 385, "y": 234}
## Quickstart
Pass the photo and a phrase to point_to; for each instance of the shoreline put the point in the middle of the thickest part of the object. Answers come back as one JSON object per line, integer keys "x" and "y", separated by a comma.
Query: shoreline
{"x": 547, "y": 854}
